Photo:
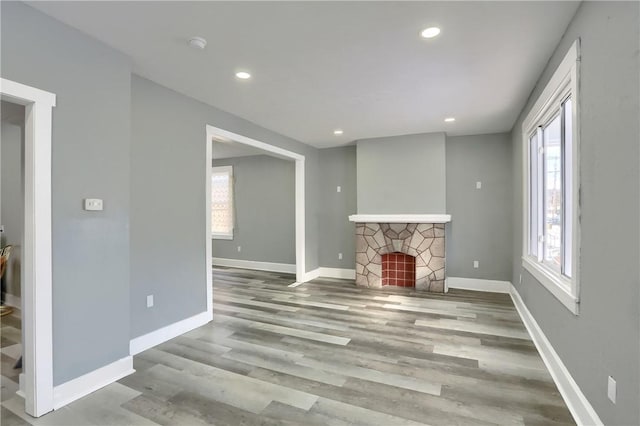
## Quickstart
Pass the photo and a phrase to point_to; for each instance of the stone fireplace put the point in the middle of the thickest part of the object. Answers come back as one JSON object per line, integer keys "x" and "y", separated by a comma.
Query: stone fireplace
{"x": 384, "y": 244}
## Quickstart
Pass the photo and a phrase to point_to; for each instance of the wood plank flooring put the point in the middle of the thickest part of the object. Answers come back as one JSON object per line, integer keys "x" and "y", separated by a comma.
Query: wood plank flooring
{"x": 328, "y": 353}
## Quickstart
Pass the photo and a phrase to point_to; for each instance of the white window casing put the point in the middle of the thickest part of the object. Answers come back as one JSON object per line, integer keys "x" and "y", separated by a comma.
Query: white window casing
{"x": 563, "y": 85}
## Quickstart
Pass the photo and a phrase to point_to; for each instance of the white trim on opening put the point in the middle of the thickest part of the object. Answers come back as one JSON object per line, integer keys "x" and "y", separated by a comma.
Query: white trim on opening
{"x": 216, "y": 132}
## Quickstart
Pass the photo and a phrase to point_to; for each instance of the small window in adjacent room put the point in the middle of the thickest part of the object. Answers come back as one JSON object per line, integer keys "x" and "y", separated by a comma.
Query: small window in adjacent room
{"x": 222, "y": 203}
{"x": 551, "y": 179}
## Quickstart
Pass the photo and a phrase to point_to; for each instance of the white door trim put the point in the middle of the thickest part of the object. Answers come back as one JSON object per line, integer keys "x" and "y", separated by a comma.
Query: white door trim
{"x": 212, "y": 132}
{"x": 37, "y": 271}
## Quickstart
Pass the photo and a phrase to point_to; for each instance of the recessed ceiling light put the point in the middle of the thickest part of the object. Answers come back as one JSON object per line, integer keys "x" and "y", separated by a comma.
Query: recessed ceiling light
{"x": 449, "y": 119}
{"x": 430, "y": 32}
{"x": 197, "y": 43}
{"x": 338, "y": 132}
{"x": 243, "y": 75}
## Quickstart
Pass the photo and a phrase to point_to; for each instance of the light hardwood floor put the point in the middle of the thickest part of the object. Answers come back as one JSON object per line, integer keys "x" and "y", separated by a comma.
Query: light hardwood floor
{"x": 328, "y": 353}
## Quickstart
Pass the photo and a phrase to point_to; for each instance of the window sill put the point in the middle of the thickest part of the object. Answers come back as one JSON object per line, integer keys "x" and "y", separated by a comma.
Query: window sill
{"x": 556, "y": 285}
{"x": 222, "y": 236}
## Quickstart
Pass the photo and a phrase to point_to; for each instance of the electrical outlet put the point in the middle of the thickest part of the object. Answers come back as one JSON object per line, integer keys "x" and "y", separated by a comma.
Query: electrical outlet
{"x": 478, "y": 185}
{"x": 150, "y": 301}
{"x": 476, "y": 264}
{"x": 339, "y": 256}
{"x": 338, "y": 189}
{"x": 239, "y": 249}
{"x": 611, "y": 389}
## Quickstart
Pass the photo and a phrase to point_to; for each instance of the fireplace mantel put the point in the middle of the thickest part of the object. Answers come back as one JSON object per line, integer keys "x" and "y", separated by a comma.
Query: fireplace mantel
{"x": 400, "y": 218}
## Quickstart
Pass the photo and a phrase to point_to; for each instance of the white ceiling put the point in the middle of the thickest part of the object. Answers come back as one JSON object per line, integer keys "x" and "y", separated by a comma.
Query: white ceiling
{"x": 359, "y": 66}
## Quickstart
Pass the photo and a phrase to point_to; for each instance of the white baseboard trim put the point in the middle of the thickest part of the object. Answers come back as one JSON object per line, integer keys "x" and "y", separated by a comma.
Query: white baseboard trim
{"x": 149, "y": 340}
{"x": 81, "y": 386}
{"x": 582, "y": 411}
{"x": 478, "y": 284}
{"x": 311, "y": 275}
{"x": 21, "y": 385}
{"x": 345, "y": 274}
{"x": 260, "y": 266}
{"x": 11, "y": 300}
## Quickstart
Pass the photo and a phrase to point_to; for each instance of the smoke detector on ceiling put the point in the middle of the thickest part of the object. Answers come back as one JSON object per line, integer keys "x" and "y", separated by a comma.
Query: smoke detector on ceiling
{"x": 197, "y": 43}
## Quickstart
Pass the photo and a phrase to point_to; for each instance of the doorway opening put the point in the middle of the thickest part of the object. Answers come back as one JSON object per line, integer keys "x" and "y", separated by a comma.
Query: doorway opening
{"x": 215, "y": 133}
{"x": 36, "y": 383}
{"x": 12, "y": 117}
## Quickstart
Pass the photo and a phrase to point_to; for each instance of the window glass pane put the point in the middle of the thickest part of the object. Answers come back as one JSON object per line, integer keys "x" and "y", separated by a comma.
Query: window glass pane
{"x": 568, "y": 187}
{"x": 221, "y": 197}
{"x": 533, "y": 195}
{"x": 553, "y": 194}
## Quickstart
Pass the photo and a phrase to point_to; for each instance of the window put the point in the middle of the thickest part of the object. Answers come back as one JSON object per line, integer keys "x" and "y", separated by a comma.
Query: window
{"x": 551, "y": 182}
{"x": 222, "y": 203}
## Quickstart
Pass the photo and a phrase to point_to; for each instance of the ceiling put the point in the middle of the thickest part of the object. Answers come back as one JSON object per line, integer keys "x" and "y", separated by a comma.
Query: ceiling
{"x": 358, "y": 66}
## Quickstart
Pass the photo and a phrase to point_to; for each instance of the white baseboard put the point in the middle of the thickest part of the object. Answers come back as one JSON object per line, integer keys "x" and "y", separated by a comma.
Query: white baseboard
{"x": 286, "y": 268}
{"x": 260, "y": 266}
{"x": 74, "y": 389}
{"x": 311, "y": 275}
{"x": 21, "y": 385}
{"x": 345, "y": 274}
{"x": 149, "y": 340}
{"x": 478, "y": 284}
{"x": 11, "y": 300}
{"x": 582, "y": 411}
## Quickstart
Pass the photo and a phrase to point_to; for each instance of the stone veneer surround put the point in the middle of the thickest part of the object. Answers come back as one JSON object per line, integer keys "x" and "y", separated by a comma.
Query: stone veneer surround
{"x": 424, "y": 241}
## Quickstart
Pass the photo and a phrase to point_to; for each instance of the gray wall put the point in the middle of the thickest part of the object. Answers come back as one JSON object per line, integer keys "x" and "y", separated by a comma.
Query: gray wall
{"x": 604, "y": 339}
{"x": 481, "y": 218}
{"x": 90, "y": 158}
{"x": 337, "y": 234}
{"x": 264, "y": 207}
{"x": 168, "y": 236}
{"x": 12, "y": 192}
{"x": 402, "y": 174}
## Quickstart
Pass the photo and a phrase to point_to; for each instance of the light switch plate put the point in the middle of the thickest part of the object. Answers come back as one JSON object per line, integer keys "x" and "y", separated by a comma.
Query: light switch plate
{"x": 478, "y": 185}
{"x": 93, "y": 204}
{"x": 150, "y": 301}
{"x": 338, "y": 189}
{"x": 476, "y": 264}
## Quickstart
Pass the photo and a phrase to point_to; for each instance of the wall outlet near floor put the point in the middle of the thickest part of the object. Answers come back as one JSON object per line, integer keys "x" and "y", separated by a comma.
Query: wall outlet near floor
{"x": 150, "y": 301}
{"x": 476, "y": 264}
{"x": 239, "y": 249}
{"x": 611, "y": 389}
{"x": 339, "y": 256}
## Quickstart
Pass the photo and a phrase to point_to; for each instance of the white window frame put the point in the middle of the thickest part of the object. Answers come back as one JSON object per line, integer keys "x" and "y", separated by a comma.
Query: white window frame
{"x": 563, "y": 83}
{"x": 228, "y": 235}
